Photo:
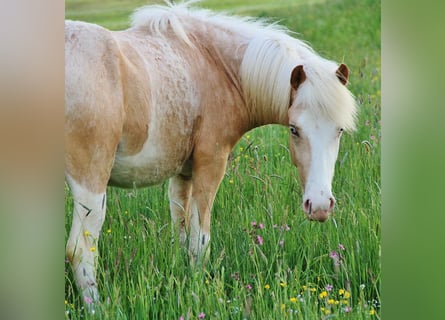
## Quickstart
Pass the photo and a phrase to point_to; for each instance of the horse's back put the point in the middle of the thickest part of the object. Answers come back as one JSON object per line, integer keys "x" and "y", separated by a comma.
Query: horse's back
{"x": 94, "y": 108}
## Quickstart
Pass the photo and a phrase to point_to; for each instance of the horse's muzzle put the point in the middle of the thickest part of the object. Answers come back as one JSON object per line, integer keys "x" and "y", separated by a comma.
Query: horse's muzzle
{"x": 319, "y": 215}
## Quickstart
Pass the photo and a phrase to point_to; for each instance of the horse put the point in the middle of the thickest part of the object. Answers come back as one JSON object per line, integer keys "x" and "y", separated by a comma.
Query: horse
{"x": 169, "y": 97}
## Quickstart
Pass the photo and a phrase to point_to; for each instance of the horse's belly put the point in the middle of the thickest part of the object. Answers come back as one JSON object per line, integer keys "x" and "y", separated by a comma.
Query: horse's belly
{"x": 146, "y": 169}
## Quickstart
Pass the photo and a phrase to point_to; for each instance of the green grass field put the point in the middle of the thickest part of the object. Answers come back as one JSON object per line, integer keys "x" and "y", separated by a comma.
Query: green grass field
{"x": 295, "y": 273}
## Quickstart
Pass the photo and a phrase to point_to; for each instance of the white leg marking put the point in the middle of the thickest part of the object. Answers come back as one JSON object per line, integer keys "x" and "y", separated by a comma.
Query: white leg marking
{"x": 199, "y": 237}
{"x": 81, "y": 249}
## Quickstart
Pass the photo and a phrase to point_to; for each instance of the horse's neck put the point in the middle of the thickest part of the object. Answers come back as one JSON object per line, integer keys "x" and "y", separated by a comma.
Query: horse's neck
{"x": 227, "y": 49}
{"x": 224, "y": 50}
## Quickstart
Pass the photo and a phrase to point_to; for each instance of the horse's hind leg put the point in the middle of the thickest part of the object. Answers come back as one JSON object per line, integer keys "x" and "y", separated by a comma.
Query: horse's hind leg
{"x": 88, "y": 218}
{"x": 88, "y": 167}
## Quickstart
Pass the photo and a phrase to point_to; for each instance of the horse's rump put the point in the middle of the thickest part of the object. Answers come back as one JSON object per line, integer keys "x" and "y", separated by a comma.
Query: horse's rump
{"x": 93, "y": 103}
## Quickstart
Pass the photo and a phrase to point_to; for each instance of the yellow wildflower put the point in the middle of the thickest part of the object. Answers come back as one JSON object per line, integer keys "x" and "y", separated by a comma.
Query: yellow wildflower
{"x": 347, "y": 295}
{"x": 372, "y": 312}
{"x": 283, "y": 284}
{"x": 108, "y": 230}
{"x": 341, "y": 292}
{"x": 331, "y": 301}
{"x": 86, "y": 233}
{"x": 293, "y": 299}
{"x": 267, "y": 287}
{"x": 327, "y": 312}
{"x": 92, "y": 249}
{"x": 323, "y": 294}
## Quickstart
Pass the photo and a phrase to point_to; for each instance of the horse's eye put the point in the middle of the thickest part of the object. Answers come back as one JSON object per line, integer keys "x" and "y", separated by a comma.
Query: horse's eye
{"x": 294, "y": 131}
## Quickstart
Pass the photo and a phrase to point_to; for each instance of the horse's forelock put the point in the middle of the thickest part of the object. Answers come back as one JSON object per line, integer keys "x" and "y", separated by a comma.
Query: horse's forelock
{"x": 325, "y": 94}
{"x": 266, "y": 70}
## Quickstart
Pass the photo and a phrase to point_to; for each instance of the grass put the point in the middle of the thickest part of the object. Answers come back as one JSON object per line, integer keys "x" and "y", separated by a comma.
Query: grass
{"x": 142, "y": 276}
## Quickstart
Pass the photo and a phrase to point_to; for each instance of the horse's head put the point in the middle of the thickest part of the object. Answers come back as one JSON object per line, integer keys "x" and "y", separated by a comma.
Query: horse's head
{"x": 316, "y": 125}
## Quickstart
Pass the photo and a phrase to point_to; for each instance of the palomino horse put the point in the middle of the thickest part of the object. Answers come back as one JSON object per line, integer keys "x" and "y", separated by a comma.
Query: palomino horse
{"x": 170, "y": 97}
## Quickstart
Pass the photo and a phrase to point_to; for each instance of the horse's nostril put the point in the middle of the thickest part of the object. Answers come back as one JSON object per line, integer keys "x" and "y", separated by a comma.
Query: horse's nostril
{"x": 331, "y": 203}
{"x": 308, "y": 206}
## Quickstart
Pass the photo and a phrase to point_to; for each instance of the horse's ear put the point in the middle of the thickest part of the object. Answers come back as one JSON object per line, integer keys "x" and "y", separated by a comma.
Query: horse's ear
{"x": 297, "y": 77}
{"x": 342, "y": 73}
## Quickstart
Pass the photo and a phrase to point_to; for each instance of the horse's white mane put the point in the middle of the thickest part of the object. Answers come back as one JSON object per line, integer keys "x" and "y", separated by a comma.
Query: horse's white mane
{"x": 159, "y": 18}
{"x": 270, "y": 56}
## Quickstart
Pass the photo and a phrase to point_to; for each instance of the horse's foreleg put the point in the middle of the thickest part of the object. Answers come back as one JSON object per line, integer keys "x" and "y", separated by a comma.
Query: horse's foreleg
{"x": 179, "y": 191}
{"x": 81, "y": 249}
{"x": 207, "y": 176}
